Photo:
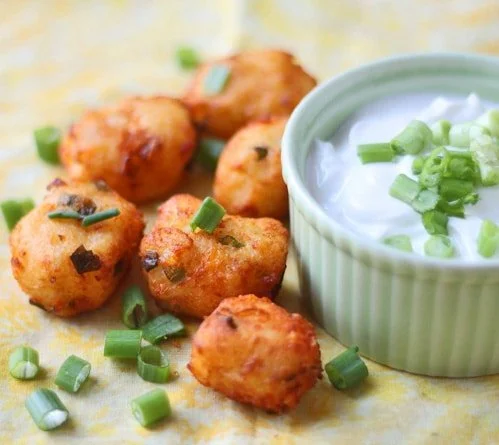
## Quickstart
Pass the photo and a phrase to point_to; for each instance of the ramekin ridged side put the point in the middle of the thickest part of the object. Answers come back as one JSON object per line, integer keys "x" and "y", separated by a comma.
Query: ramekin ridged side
{"x": 427, "y": 316}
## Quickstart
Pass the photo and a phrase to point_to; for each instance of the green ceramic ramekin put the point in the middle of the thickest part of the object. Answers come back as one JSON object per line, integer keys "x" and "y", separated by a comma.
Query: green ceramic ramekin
{"x": 427, "y": 316}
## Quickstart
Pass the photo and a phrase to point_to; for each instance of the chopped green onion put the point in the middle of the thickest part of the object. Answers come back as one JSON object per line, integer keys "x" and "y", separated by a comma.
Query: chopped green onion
{"x": 486, "y": 154}
{"x": 14, "y": 209}
{"x": 187, "y": 58}
{"x": 24, "y": 363}
{"x": 208, "y": 216}
{"x": 161, "y": 327}
{"x": 415, "y": 138}
{"x": 381, "y": 152}
{"x": 347, "y": 370}
{"x": 229, "y": 240}
{"x": 455, "y": 208}
{"x": 64, "y": 214}
{"x": 134, "y": 308}
{"x": 440, "y": 131}
{"x": 425, "y": 200}
{"x": 122, "y": 343}
{"x": 401, "y": 242}
{"x": 151, "y": 407}
{"x": 216, "y": 79}
{"x": 488, "y": 238}
{"x": 99, "y": 216}
{"x": 439, "y": 246}
{"x": 46, "y": 409}
{"x": 209, "y": 151}
{"x": 461, "y": 135}
{"x": 453, "y": 189}
{"x": 435, "y": 222}
{"x": 47, "y": 140}
{"x": 471, "y": 198}
{"x": 404, "y": 188}
{"x": 417, "y": 165}
{"x": 153, "y": 365}
{"x": 433, "y": 168}
{"x": 72, "y": 374}
{"x": 460, "y": 167}
{"x": 490, "y": 120}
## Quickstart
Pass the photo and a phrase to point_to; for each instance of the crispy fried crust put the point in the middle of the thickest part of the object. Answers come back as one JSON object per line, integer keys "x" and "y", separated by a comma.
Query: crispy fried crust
{"x": 42, "y": 250}
{"x": 262, "y": 83}
{"x": 255, "y": 352}
{"x": 139, "y": 147}
{"x": 248, "y": 180}
{"x": 194, "y": 272}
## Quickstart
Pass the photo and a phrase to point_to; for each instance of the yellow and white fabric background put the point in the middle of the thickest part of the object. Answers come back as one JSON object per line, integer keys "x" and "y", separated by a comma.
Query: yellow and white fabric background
{"x": 60, "y": 57}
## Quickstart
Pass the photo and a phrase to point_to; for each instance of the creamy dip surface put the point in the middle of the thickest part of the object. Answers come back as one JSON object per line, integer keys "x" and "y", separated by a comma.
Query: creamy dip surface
{"x": 357, "y": 196}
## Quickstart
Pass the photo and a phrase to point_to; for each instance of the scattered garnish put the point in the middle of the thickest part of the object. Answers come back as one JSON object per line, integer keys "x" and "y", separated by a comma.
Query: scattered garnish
{"x": 46, "y": 409}
{"x": 14, "y": 209}
{"x": 439, "y": 246}
{"x": 47, "y": 140}
{"x": 24, "y": 363}
{"x": 401, "y": 242}
{"x": 72, "y": 374}
{"x": 208, "y": 153}
{"x": 485, "y": 151}
{"x": 85, "y": 260}
{"x": 208, "y": 216}
{"x": 490, "y": 120}
{"x": 151, "y": 407}
{"x": 64, "y": 214}
{"x": 122, "y": 343}
{"x": 100, "y": 216}
{"x": 440, "y": 131}
{"x": 174, "y": 273}
{"x": 381, "y": 152}
{"x": 153, "y": 365}
{"x": 404, "y": 189}
{"x": 347, "y": 370}
{"x": 416, "y": 137}
{"x": 134, "y": 308}
{"x": 261, "y": 152}
{"x": 488, "y": 239}
{"x": 150, "y": 260}
{"x": 187, "y": 57}
{"x": 161, "y": 327}
{"x": 461, "y": 135}
{"x": 229, "y": 240}
{"x": 435, "y": 222}
{"x": 216, "y": 79}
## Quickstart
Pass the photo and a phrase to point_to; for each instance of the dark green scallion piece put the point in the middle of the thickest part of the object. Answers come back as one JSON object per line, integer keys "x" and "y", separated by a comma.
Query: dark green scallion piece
{"x": 347, "y": 370}
{"x": 47, "y": 140}
{"x": 100, "y": 216}
{"x": 134, "y": 308}
{"x": 162, "y": 327}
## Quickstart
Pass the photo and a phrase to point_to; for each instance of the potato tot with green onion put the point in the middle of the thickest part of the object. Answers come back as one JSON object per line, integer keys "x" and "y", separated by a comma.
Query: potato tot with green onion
{"x": 190, "y": 272}
{"x": 257, "y": 84}
{"x": 140, "y": 147}
{"x": 248, "y": 179}
{"x": 65, "y": 267}
{"x": 255, "y": 352}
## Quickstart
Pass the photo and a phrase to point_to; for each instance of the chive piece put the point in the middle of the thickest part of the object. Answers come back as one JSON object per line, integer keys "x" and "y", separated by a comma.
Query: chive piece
{"x": 486, "y": 154}
{"x": 100, "y": 216}
{"x": 46, "y": 409}
{"x": 433, "y": 168}
{"x": 153, "y": 365}
{"x": 452, "y": 189}
{"x": 488, "y": 238}
{"x": 415, "y": 138}
{"x": 380, "y": 152}
{"x": 461, "y": 135}
{"x": 162, "y": 327}
{"x": 404, "y": 188}
{"x": 346, "y": 370}
{"x": 417, "y": 165}
{"x": 208, "y": 216}
{"x": 440, "y": 131}
{"x": 24, "y": 363}
{"x": 64, "y": 214}
{"x": 439, "y": 246}
{"x": 209, "y": 151}
{"x": 174, "y": 273}
{"x": 435, "y": 222}
{"x": 471, "y": 198}
{"x": 134, "y": 308}
{"x": 151, "y": 407}
{"x": 47, "y": 140}
{"x": 187, "y": 58}
{"x": 261, "y": 152}
{"x": 216, "y": 79}
{"x": 14, "y": 209}
{"x": 455, "y": 208}
{"x": 425, "y": 201}
{"x": 122, "y": 343}
{"x": 460, "y": 167}
{"x": 72, "y": 374}
{"x": 401, "y": 242}
{"x": 229, "y": 240}
{"x": 490, "y": 120}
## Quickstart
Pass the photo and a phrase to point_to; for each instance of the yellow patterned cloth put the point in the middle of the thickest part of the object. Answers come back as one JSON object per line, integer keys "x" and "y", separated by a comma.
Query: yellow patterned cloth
{"x": 60, "y": 57}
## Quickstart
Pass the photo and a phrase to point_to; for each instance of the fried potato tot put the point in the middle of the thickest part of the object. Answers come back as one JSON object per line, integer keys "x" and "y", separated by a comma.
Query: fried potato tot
{"x": 261, "y": 84}
{"x": 66, "y": 268}
{"x": 139, "y": 147}
{"x": 190, "y": 273}
{"x": 248, "y": 179}
{"x": 255, "y": 352}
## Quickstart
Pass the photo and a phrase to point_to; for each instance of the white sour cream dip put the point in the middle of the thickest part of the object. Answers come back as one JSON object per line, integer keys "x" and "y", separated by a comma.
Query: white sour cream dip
{"x": 357, "y": 195}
